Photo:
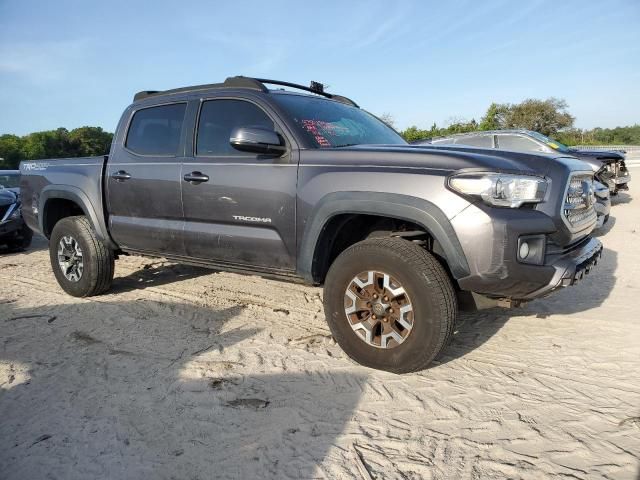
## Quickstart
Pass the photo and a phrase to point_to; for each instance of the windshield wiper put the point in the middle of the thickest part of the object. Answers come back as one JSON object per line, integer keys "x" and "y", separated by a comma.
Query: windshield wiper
{"x": 346, "y": 145}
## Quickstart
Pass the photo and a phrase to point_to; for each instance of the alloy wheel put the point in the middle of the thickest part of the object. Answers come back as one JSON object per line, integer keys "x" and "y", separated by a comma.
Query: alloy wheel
{"x": 378, "y": 309}
{"x": 70, "y": 258}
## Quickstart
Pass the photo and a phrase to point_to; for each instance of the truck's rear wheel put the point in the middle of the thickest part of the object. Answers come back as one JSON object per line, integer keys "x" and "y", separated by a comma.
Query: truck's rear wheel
{"x": 390, "y": 304}
{"x": 82, "y": 264}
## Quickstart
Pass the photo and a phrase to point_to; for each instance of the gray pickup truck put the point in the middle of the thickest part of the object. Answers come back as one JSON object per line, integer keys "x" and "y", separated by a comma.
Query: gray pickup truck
{"x": 302, "y": 184}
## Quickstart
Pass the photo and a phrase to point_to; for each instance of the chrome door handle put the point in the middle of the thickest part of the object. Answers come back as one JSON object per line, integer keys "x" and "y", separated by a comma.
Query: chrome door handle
{"x": 121, "y": 176}
{"x": 196, "y": 177}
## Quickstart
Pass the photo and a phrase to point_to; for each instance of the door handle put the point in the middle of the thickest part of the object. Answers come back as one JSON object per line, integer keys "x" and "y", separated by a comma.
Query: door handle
{"x": 121, "y": 176}
{"x": 196, "y": 177}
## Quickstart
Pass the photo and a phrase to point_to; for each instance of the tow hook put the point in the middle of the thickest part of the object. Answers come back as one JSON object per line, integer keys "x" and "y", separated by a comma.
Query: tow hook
{"x": 510, "y": 303}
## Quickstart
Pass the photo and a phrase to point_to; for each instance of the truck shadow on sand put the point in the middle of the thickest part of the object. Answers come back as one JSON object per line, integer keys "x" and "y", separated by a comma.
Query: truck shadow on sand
{"x": 156, "y": 274}
{"x": 621, "y": 198}
{"x": 474, "y": 329}
{"x": 146, "y": 389}
{"x": 38, "y": 243}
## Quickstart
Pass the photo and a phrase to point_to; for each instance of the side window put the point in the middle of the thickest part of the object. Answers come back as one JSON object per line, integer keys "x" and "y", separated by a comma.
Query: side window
{"x": 156, "y": 130}
{"x": 218, "y": 118}
{"x": 482, "y": 141}
{"x": 517, "y": 143}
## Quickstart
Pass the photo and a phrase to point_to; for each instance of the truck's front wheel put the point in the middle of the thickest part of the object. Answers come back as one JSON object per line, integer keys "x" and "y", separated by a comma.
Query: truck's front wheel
{"x": 82, "y": 264}
{"x": 390, "y": 304}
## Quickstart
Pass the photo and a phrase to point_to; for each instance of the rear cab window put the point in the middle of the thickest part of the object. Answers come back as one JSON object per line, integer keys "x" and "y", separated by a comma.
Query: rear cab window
{"x": 156, "y": 130}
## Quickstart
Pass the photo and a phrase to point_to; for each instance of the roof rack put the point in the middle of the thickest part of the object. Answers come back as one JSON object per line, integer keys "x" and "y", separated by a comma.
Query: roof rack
{"x": 314, "y": 87}
{"x": 251, "y": 83}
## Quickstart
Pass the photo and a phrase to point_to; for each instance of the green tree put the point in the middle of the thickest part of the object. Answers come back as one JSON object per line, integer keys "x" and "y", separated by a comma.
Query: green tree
{"x": 545, "y": 116}
{"x": 90, "y": 141}
{"x": 494, "y": 119}
{"x": 34, "y": 146}
{"x": 413, "y": 134}
{"x": 10, "y": 151}
{"x": 59, "y": 143}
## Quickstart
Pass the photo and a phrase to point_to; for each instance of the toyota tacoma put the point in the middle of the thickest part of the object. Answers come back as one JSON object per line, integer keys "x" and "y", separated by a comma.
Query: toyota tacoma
{"x": 297, "y": 183}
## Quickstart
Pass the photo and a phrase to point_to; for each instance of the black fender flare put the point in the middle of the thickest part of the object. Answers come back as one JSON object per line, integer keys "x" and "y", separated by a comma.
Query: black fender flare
{"x": 76, "y": 195}
{"x": 398, "y": 206}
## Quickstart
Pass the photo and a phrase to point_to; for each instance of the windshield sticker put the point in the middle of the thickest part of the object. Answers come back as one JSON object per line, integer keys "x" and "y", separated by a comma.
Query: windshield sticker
{"x": 321, "y": 130}
{"x": 314, "y": 127}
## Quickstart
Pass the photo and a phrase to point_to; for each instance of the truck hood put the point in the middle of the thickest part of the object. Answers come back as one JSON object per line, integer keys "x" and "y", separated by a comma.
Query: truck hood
{"x": 451, "y": 158}
{"x": 502, "y": 160}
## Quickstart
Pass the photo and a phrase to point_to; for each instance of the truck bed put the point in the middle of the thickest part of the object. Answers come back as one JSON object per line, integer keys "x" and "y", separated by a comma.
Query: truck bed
{"x": 77, "y": 179}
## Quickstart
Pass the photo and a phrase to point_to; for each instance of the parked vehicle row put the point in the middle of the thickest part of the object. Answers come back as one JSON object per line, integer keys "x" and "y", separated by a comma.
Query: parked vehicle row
{"x": 14, "y": 233}
{"x": 610, "y": 171}
{"x": 608, "y": 166}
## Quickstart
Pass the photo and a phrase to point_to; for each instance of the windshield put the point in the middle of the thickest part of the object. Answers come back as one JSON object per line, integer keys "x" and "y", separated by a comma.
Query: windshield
{"x": 329, "y": 124}
{"x": 9, "y": 180}
{"x": 556, "y": 145}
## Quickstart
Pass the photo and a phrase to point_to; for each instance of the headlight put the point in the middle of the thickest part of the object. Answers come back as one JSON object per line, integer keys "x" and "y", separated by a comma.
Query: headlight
{"x": 500, "y": 189}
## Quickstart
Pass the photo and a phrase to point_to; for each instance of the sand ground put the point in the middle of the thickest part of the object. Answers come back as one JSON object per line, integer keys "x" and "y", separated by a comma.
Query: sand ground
{"x": 185, "y": 373}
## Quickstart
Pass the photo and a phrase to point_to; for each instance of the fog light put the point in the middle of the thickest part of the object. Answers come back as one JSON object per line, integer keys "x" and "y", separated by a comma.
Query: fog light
{"x": 531, "y": 249}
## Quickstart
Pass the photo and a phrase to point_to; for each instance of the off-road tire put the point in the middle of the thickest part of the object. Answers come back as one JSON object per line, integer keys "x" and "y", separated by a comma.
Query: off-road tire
{"x": 425, "y": 281}
{"x": 98, "y": 259}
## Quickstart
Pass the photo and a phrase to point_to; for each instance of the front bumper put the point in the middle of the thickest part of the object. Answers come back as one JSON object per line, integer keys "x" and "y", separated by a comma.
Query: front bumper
{"x": 571, "y": 267}
{"x": 602, "y": 208}
{"x": 489, "y": 239}
{"x": 615, "y": 182}
{"x": 10, "y": 228}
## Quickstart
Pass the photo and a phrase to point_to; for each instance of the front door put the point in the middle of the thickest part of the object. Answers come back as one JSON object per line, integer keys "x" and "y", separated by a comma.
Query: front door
{"x": 239, "y": 207}
{"x": 143, "y": 181}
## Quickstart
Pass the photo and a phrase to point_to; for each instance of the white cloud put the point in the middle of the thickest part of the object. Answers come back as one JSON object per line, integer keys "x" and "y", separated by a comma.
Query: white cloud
{"x": 388, "y": 28}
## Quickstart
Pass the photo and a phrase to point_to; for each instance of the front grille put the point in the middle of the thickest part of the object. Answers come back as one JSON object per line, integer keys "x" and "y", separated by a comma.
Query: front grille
{"x": 579, "y": 198}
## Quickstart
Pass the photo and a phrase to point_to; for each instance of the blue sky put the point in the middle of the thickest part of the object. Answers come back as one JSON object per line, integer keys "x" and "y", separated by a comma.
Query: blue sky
{"x": 73, "y": 63}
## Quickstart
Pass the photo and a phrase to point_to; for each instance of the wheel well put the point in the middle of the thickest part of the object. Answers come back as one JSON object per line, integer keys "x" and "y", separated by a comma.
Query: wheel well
{"x": 55, "y": 210}
{"x": 342, "y": 231}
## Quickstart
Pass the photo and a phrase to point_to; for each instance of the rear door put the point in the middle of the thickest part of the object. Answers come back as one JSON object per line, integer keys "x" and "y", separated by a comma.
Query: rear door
{"x": 243, "y": 210}
{"x": 143, "y": 181}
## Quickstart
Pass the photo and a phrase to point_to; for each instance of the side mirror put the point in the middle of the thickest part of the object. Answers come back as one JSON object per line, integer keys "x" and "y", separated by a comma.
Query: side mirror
{"x": 257, "y": 140}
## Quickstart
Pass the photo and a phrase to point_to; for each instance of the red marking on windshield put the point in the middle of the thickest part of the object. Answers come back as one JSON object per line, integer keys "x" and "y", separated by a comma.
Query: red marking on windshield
{"x": 314, "y": 127}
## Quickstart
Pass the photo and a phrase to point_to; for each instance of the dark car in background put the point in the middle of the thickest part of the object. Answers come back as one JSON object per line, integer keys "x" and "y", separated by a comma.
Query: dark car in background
{"x": 603, "y": 203}
{"x": 608, "y": 166}
{"x": 14, "y": 233}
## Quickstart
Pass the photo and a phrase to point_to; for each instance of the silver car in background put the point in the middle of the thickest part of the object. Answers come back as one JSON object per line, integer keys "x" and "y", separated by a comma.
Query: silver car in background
{"x": 608, "y": 166}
